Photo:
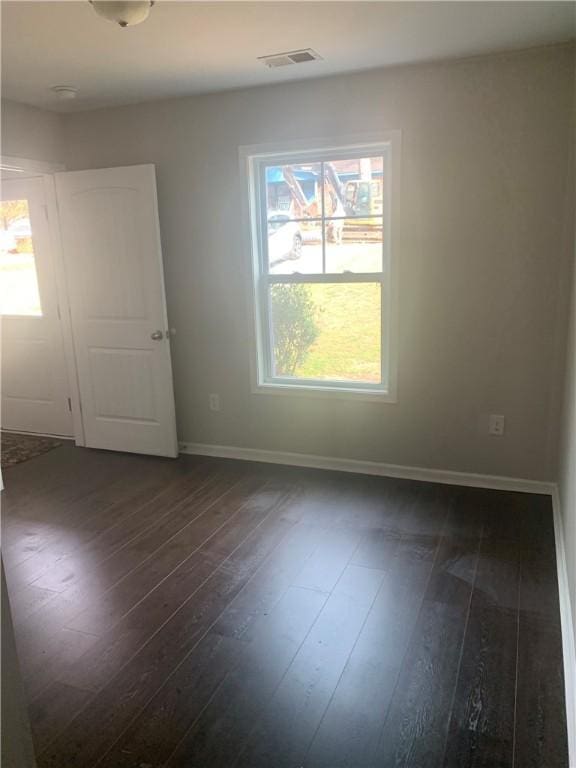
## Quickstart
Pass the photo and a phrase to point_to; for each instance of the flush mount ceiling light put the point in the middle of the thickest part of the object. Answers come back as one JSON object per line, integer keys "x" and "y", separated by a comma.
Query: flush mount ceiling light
{"x": 65, "y": 92}
{"x": 126, "y": 13}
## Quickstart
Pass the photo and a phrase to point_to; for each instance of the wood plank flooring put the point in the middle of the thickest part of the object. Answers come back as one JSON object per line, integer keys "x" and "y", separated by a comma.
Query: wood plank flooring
{"x": 203, "y": 613}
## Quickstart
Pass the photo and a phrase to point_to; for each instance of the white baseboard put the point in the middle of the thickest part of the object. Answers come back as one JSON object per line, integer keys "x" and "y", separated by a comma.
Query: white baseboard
{"x": 369, "y": 468}
{"x": 568, "y": 639}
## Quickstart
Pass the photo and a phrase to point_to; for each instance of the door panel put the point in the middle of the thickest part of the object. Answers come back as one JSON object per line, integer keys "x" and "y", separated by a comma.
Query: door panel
{"x": 116, "y": 373}
{"x": 113, "y": 260}
{"x": 108, "y": 220}
{"x": 34, "y": 379}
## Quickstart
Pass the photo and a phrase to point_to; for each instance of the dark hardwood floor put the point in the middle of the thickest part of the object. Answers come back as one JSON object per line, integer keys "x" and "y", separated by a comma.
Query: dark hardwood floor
{"x": 204, "y": 613}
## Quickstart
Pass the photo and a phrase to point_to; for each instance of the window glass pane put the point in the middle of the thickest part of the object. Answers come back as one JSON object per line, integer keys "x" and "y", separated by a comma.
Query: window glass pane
{"x": 19, "y": 294}
{"x": 294, "y": 246}
{"x": 326, "y": 331}
{"x": 354, "y": 245}
{"x": 294, "y": 190}
{"x": 353, "y": 187}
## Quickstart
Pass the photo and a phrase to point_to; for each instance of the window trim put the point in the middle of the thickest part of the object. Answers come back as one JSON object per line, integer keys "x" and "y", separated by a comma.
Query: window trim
{"x": 252, "y": 162}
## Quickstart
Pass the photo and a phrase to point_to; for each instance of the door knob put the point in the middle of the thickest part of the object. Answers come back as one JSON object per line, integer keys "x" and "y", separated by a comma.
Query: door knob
{"x": 157, "y": 335}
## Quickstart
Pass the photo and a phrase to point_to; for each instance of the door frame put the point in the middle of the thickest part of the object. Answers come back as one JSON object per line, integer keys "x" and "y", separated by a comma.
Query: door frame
{"x": 27, "y": 168}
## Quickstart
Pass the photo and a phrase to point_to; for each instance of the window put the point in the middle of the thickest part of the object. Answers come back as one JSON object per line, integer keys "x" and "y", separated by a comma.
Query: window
{"x": 322, "y": 254}
{"x": 19, "y": 293}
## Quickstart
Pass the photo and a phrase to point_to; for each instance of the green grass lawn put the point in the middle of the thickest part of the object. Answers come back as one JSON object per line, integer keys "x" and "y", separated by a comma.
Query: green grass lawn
{"x": 348, "y": 343}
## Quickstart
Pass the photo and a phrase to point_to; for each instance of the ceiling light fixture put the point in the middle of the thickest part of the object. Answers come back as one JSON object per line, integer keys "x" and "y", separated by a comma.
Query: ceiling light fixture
{"x": 126, "y": 13}
{"x": 65, "y": 92}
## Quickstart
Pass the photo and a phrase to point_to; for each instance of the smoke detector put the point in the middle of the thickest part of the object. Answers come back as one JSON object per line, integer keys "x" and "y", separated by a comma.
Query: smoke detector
{"x": 275, "y": 60}
{"x": 65, "y": 92}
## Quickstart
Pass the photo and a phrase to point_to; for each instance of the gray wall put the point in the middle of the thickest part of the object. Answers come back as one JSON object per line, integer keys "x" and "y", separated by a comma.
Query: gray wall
{"x": 485, "y": 147}
{"x": 31, "y": 133}
{"x": 482, "y": 263}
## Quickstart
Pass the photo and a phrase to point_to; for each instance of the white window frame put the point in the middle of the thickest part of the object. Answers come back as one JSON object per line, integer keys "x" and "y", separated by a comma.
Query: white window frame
{"x": 253, "y": 161}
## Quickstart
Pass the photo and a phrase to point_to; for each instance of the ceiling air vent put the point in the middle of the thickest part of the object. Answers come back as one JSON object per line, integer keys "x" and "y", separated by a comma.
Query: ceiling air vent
{"x": 290, "y": 57}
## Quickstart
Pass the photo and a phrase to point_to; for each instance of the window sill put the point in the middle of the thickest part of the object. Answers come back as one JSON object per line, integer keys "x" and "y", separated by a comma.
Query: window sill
{"x": 338, "y": 393}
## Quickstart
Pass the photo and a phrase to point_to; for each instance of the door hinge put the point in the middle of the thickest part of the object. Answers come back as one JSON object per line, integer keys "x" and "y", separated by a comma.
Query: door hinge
{"x": 70, "y": 405}
{"x": 58, "y": 312}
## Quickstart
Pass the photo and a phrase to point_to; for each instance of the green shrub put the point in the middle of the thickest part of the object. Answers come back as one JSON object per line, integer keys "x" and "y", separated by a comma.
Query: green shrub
{"x": 293, "y": 324}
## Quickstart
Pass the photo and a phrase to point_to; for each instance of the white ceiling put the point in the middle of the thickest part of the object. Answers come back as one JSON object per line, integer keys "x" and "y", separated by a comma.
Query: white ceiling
{"x": 199, "y": 47}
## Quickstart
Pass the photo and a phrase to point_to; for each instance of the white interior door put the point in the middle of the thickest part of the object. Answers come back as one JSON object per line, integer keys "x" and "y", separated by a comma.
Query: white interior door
{"x": 113, "y": 264}
{"x": 34, "y": 377}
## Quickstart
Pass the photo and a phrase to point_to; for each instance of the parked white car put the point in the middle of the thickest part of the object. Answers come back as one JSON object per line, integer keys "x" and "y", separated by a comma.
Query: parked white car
{"x": 20, "y": 228}
{"x": 8, "y": 242}
{"x": 284, "y": 239}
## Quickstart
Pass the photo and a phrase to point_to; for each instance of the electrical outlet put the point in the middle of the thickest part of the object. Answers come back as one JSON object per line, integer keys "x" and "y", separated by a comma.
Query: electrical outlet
{"x": 496, "y": 423}
{"x": 214, "y": 402}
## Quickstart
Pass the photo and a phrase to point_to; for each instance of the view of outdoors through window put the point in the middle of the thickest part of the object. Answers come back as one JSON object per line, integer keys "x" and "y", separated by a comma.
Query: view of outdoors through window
{"x": 19, "y": 294}
{"x": 327, "y": 331}
{"x": 326, "y": 218}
